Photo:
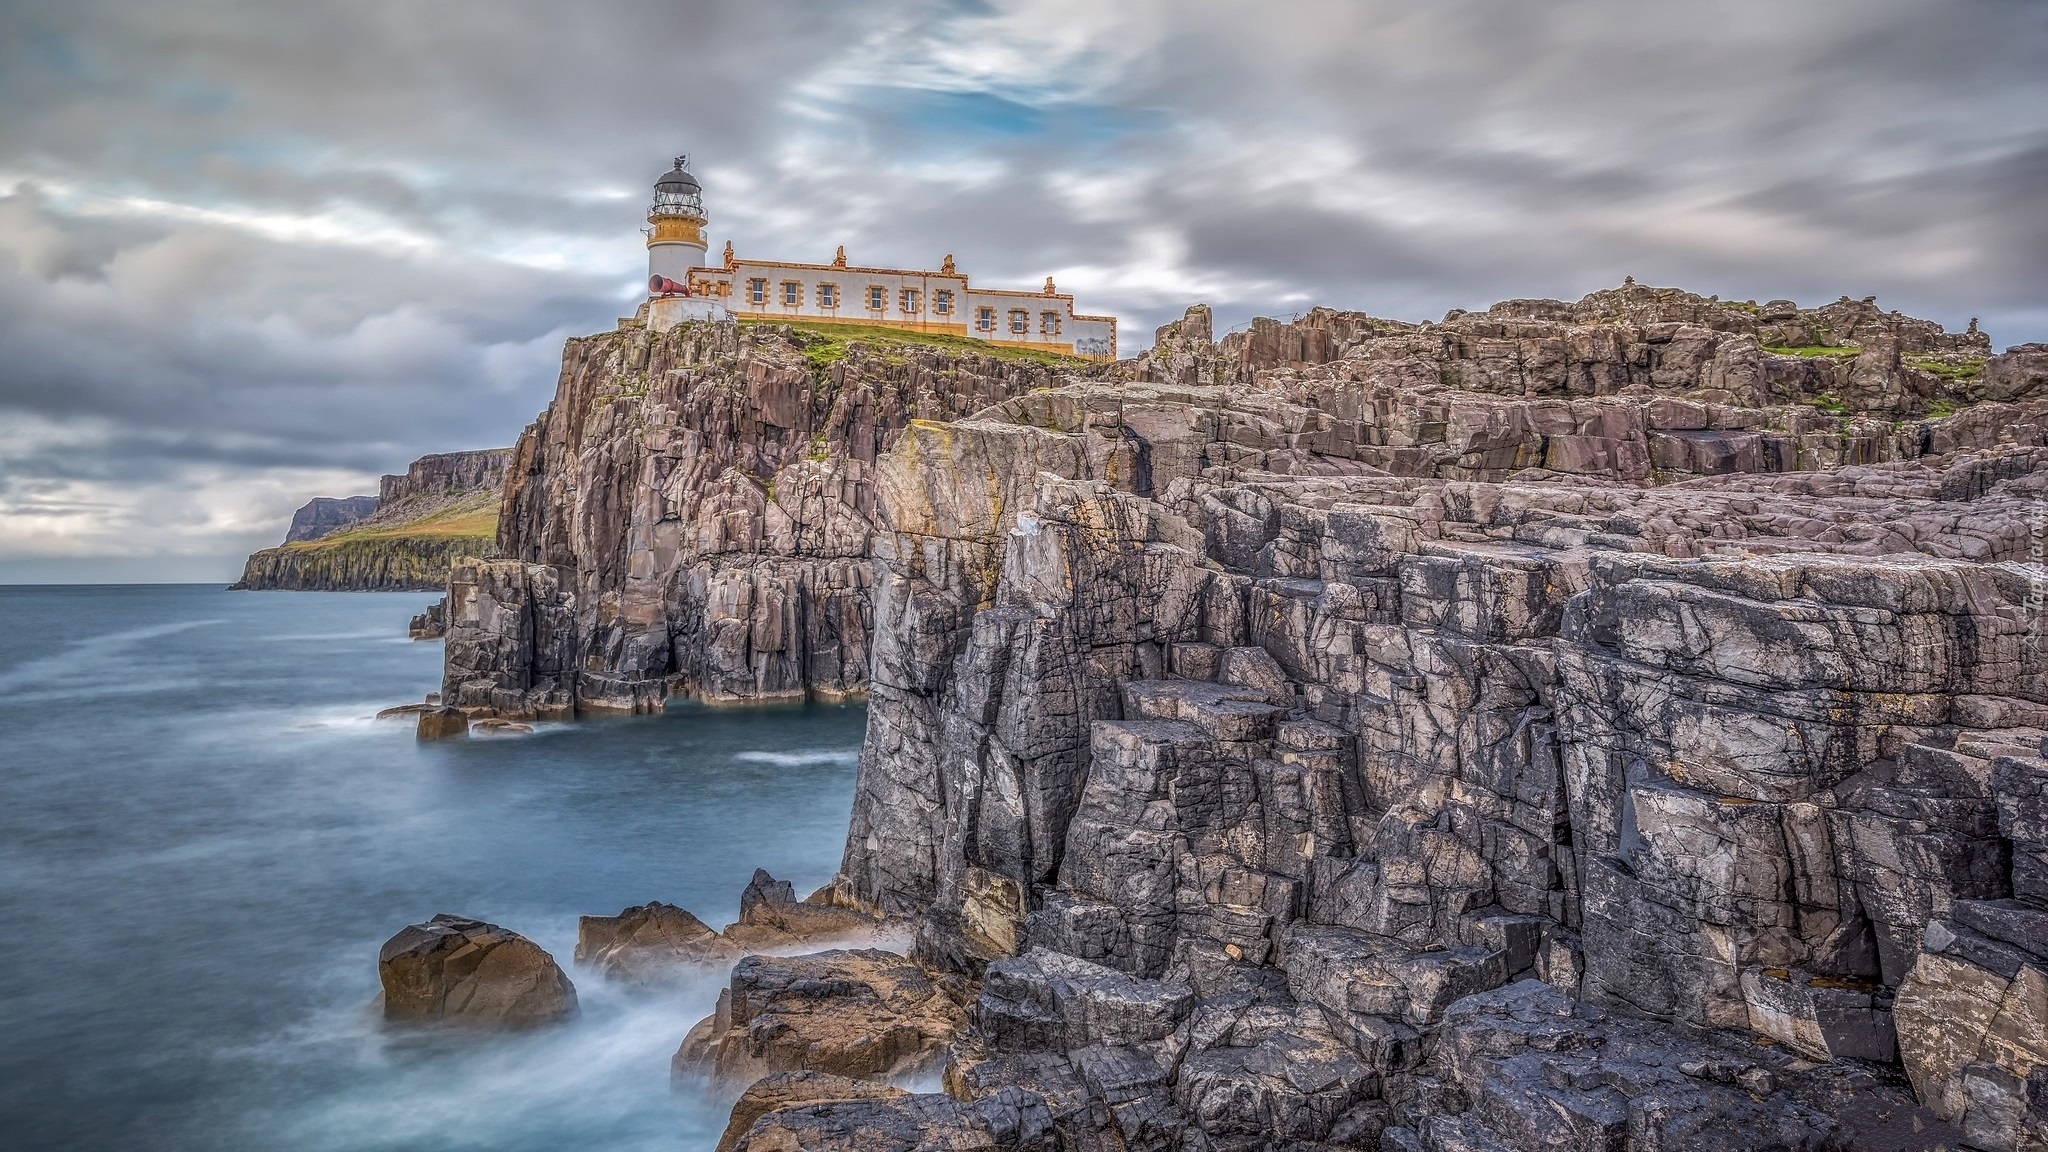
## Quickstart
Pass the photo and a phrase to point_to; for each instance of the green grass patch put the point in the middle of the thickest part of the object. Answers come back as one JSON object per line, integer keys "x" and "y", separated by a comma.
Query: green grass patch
{"x": 1940, "y": 410}
{"x": 827, "y": 344}
{"x": 1829, "y": 403}
{"x": 476, "y": 517}
{"x": 1830, "y": 351}
{"x": 1968, "y": 369}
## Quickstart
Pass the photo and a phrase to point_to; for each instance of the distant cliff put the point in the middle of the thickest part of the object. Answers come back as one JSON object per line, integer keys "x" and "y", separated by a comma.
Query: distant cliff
{"x": 405, "y": 538}
{"x": 325, "y": 514}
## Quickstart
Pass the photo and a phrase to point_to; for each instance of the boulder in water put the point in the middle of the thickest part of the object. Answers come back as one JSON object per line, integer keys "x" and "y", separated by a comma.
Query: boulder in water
{"x": 441, "y": 723}
{"x": 455, "y": 970}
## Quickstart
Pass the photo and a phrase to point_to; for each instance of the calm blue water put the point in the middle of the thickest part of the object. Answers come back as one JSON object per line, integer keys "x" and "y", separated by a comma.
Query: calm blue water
{"x": 204, "y": 838}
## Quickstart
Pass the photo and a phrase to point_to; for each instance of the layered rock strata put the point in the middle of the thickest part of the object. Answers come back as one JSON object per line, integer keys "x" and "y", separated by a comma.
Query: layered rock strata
{"x": 404, "y": 539}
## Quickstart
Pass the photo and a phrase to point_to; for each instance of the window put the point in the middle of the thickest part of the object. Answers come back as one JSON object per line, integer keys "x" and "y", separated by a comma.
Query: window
{"x": 828, "y": 295}
{"x": 792, "y": 294}
{"x": 757, "y": 292}
{"x": 985, "y": 319}
{"x": 907, "y": 300}
{"x": 878, "y": 298}
{"x": 942, "y": 302}
{"x": 1049, "y": 323}
{"x": 1020, "y": 321}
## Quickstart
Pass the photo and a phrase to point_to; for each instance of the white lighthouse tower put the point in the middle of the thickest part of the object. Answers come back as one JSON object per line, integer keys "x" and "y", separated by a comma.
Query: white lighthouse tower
{"x": 675, "y": 233}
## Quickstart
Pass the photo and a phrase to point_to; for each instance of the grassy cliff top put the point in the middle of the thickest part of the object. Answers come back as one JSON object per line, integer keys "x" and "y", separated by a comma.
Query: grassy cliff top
{"x": 827, "y": 344}
{"x": 473, "y": 515}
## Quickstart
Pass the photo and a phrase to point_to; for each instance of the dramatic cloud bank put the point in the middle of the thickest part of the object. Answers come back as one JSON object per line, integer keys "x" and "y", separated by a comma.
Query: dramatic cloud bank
{"x": 255, "y": 253}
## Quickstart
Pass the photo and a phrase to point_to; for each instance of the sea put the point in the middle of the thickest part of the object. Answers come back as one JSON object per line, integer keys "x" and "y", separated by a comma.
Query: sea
{"x": 206, "y": 835}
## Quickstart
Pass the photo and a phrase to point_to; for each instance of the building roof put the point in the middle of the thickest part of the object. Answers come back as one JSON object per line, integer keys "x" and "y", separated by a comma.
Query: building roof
{"x": 678, "y": 179}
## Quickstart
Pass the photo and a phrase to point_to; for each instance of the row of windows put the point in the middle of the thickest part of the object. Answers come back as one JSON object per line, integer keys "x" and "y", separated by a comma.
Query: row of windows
{"x": 908, "y": 300}
{"x": 1019, "y": 321}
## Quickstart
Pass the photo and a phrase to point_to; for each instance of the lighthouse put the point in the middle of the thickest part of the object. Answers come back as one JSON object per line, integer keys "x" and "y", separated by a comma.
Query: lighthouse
{"x": 684, "y": 287}
{"x": 675, "y": 231}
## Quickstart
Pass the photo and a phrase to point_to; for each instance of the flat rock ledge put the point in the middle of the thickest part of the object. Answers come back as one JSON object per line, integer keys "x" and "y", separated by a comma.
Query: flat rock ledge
{"x": 789, "y": 1090}
{"x": 455, "y": 970}
{"x": 863, "y": 1013}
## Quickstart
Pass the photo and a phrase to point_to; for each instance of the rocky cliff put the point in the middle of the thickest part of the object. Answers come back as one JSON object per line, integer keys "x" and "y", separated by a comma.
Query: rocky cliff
{"x": 1602, "y": 725}
{"x": 692, "y": 516}
{"x": 406, "y": 538}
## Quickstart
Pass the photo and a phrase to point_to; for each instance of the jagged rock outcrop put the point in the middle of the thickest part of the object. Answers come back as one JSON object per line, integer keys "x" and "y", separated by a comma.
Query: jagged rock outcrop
{"x": 772, "y": 917}
{"x": 1458, "y": 736}
{"x": 406, "y": 538}
{"x": 695, "y": 512}
{"x": 1338, "y": 693}
{"x": 454, "y": 970}
{"x": 691, "y": 516}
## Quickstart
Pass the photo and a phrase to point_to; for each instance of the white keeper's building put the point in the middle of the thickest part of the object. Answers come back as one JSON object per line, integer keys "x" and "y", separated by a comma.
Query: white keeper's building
{"x": 681, "y": 281}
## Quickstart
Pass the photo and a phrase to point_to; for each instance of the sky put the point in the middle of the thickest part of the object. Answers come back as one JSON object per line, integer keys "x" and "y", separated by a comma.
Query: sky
{"x": 256, "y": 253}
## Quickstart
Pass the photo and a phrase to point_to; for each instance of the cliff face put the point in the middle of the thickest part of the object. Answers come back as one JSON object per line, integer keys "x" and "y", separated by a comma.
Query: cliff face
{"x": 1602, "y": 725}
{"x": 1342, "y": 692}
{"x": 692, "y": 515}
{"x": 406, "y": 538}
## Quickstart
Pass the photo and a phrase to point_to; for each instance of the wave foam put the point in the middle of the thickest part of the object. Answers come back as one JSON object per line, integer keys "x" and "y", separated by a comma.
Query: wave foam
{"x": 801, "y": 759}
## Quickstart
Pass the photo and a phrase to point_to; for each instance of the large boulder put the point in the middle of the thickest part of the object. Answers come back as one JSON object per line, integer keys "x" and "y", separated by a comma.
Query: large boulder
{"x": 862, "y": 1013}
{"x": 455, "y": 970}
{"x": 649, "y": 944}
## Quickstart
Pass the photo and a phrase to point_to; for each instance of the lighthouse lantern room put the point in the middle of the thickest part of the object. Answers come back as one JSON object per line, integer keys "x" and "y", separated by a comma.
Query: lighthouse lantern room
{"x": 675, "y": 231}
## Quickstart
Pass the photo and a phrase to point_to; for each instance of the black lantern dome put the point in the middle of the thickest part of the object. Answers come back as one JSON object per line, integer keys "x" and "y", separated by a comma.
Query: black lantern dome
{"x": 677, "y": 193}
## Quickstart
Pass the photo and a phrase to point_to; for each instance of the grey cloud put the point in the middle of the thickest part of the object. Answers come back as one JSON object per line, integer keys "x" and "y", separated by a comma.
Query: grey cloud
{"x": 334, "y": 268}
